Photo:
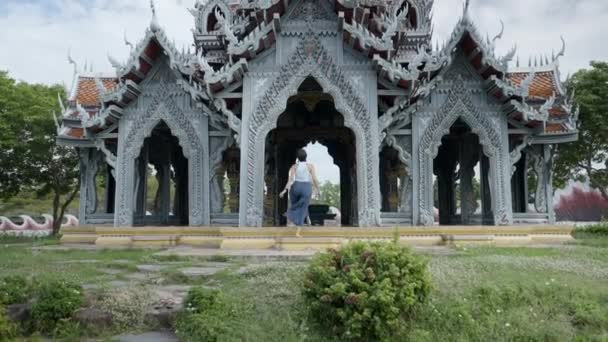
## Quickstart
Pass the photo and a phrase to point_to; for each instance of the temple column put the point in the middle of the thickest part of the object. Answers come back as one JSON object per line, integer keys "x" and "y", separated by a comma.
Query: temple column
{"x": 548, "y": 176}
{"x": 110, "y": 190}
{"x": 164, "y": 187}
{"x": 468, "y": 201}
{"x": 141, "y": 182}
{"x": 486, "y": 197}
{"x": 89, "y": 162}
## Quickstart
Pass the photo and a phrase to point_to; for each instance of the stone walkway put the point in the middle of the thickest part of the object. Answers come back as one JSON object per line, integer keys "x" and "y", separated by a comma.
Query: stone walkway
{"x": 154, "y": 336}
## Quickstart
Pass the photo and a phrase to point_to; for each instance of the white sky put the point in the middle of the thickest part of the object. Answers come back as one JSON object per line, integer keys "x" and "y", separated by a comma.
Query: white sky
{"x": 35, "y": 35}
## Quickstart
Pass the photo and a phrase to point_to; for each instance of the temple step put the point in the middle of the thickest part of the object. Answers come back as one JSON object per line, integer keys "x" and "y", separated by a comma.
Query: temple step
{"x": 395, "y": 219}
{"x": 225, "y": 220}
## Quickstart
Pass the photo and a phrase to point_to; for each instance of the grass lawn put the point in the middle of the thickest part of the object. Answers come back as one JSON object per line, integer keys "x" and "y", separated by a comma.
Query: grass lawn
{"x": 479, "y": 293}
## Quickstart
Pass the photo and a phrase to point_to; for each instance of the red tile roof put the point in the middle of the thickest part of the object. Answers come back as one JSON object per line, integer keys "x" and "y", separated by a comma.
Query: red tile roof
{"x": 87, "y": 93}
{"x": 543, "y": 85}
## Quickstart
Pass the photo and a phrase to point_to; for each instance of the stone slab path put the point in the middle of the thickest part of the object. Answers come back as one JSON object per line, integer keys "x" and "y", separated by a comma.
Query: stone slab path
{"x": 147, "y": 337}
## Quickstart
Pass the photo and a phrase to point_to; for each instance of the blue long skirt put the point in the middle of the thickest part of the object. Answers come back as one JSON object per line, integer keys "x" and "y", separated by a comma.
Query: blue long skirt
{"x": 299, "y": 198}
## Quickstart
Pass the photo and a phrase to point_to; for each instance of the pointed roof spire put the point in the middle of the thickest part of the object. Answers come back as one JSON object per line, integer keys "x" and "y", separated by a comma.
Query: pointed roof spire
{"x": 154, "y": 25}
{"x": 465, "y": 10}
{"x": 517, "y": 61}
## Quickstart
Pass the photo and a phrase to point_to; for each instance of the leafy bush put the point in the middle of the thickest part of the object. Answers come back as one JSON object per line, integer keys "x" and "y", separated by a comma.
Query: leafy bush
{"x": 7, "y": 329}
{"x": 55, "y": 301}
{"x": 210, "y": 316}
{"x": 594, "y": 230}
{"x": 364, "y": 290}
{"x": 13, "y": 290}
{"x": 127, "y": 307}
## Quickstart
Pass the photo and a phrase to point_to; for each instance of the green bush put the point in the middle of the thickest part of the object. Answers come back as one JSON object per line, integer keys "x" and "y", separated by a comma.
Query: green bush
{"x": 8, "y": 330}
{"x": 364, "y": 291}
{"x": 55, "y": 300}
{"x": 14, "y": 290}
{"x": 600, "y": 229}
{"x": 209, "y": 316}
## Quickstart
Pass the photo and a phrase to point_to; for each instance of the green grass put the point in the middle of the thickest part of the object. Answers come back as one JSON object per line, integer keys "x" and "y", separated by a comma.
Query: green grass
{"x": 479, "y": 294}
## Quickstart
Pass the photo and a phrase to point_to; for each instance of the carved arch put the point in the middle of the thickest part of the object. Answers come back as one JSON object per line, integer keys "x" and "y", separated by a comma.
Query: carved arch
{"x": 209, "y": 12}
{"x": 459, "y": 104}
{"x": 311, "y": 60}
{"x": 139, "y": 126}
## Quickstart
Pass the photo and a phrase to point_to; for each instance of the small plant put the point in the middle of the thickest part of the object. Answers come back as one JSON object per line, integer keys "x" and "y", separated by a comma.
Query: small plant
{"x": 364, "y": 291}
{"x": 13, "y": 290}
{"x": 600, "y": 229}
{"x": 209, "y": 316}
{"x": 55, "y": 301}
{"x": 127, "y": 307}
{"x": 8, "y": 330}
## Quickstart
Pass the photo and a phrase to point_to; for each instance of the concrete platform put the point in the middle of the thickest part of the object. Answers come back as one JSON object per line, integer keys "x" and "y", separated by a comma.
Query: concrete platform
{"x": 312, "y": 238}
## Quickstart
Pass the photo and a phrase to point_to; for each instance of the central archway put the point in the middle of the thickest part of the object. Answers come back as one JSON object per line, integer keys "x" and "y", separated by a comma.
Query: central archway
{"x": 310, "y": 117}
{"x": 310, "y": 60}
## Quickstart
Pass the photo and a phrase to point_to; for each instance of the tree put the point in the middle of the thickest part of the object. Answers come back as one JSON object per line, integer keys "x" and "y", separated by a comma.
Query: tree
{"x": 587, "y": 159}
{"x": 30, "y": 159}
{"x": 329, "y": 194}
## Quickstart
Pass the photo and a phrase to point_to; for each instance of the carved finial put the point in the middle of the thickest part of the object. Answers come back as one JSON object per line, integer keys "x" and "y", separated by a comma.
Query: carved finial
{"x": 530, "y": 61}
{"x": 56, "y": 122}
{"x": 86, "y": 65}
{"x": 127, "y": 42}
{"x": 60, "y": 103}
{"x": 499, "y": 35}
{"x": 546, "y": 60}
{"x": 535, "y": 61}
{"x": 154, "y": 26}
{"x": 71, "y": 61}
{"x": 561, "y": 52}
{"x": 116, "y": 64}
{"x": 465, "y": 11}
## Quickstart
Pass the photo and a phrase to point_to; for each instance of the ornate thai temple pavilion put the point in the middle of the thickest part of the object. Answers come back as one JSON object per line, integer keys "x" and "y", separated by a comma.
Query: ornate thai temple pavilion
{"x": 422, "y": 132}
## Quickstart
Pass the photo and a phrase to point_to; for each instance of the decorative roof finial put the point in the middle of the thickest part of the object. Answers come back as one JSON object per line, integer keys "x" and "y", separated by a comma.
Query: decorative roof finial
{"x": 127, "y": 42}
{"x": 60, "y": 103}
{"x": 56, "y": 122}
{"x": 71, "y": 61}
{"x": 561, "y": 52}
{"x": 502, "y": 30}
{"x": 517, "y": 62}
{"x": 154, "y": 26}
{"x": 465, "y": 11}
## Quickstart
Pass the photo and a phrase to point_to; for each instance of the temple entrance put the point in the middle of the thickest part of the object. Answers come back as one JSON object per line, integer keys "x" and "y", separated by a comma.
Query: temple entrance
{"x": 461, "y": 185}
{"x": 310, "y": 117}
{"x": 161, "y": 180}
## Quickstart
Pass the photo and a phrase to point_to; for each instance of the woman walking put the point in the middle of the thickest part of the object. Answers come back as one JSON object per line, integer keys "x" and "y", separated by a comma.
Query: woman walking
{"x": 302, "y": 185}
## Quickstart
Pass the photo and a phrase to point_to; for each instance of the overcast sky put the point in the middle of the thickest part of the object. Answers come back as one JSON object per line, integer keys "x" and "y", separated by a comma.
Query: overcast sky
{"x": 35, "y": 35}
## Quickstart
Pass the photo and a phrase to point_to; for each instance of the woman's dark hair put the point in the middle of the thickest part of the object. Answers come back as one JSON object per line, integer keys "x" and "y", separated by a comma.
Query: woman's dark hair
{"x": 301, "y": 154}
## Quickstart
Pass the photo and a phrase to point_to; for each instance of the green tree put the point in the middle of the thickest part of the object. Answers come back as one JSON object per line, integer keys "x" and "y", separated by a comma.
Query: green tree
{"x": 30, "y": 159}
{"x": 329, "y": 194}
{"x": 587, "y": 158}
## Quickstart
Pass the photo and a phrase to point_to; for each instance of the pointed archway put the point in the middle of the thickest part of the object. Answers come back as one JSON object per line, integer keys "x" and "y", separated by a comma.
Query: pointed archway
{"x": 460, "y": 105}
{"x": 310, "y": 59}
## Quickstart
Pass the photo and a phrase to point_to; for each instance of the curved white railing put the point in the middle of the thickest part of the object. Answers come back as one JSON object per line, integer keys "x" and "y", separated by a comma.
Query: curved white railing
{"x": 30, "y": 225}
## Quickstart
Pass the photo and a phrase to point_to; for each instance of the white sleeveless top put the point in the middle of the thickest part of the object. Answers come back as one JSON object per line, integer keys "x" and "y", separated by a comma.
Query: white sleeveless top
{"x": 302, "y": 173}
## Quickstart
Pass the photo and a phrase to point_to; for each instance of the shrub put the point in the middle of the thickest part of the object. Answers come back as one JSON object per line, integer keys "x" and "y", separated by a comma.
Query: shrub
{"x": 594, "y": 230}
{"x": 127, "y": 307}
{"x": 13, "y": 290}
{"x": 8, "y": 330}
{"x": 364, "y": 290}
{"x": 581, "y": 205}
{"x": 55, "y": 300}
{"x": 209, "y": 315}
